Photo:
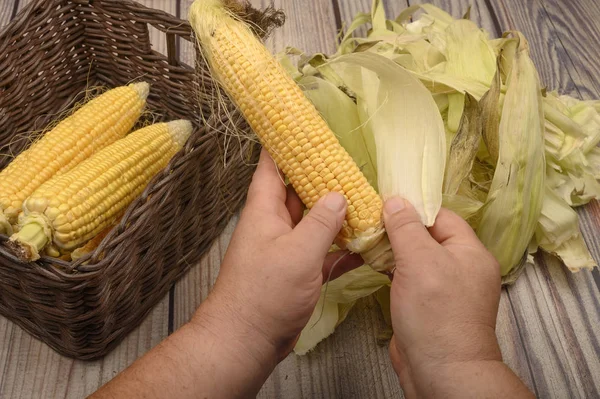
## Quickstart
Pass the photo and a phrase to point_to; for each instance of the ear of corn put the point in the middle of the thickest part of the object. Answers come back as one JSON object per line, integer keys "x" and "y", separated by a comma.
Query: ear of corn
{"x": 342, "y": 115}
{"x": 286, "y": 122}
{"x": 100, "y": 122}
{"x": 91, "y": 245}
{"x": 70, "y": 209}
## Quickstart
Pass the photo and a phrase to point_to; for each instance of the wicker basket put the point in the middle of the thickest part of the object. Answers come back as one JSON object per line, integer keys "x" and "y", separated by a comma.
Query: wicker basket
{"x": 49, "y": 55}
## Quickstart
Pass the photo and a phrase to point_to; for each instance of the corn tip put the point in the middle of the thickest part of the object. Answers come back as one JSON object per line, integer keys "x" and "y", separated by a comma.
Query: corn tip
{"x": 205, "y": 16}
{"x": 142, "y": 88}
{"x": 180, "y": 131}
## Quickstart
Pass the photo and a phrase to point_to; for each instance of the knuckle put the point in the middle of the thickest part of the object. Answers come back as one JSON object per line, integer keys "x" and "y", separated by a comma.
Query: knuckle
{"x": 400, "y": 223}
{"x": 323, "y": 221}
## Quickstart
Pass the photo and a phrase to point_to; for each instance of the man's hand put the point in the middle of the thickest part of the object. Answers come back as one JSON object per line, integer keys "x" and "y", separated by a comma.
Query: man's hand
{"x": 444, "y": 302}
{"x": 271, "y": 277}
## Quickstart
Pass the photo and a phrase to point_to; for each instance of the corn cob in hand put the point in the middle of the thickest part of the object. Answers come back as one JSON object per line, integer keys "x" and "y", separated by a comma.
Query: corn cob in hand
{"x": 102, "y": 121}
{"x": 69, "y": 210}
{"x": 287, "y": 123}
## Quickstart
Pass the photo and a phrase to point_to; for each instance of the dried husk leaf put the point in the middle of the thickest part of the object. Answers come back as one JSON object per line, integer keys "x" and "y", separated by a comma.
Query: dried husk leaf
{"x": 407, "y": 126}
{"x": 464, "y": 147}
{"x": 490, "y": 115}
{"x": 514, "y": 203}
{"x": 558, "y": 233}
{"x": 470, "y": 56}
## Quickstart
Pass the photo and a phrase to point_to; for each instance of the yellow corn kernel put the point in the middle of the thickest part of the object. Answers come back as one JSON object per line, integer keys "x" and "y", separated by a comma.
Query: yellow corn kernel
{"x": 102, "y": 121}
{"x": 70, "y": 209}
{"x": 285, "y": 121}
{"x": 91, "y": 245}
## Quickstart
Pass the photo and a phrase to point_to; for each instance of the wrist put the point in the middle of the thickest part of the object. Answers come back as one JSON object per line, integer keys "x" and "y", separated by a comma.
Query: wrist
{"x": 421, "y": 365}
{"x": 221, "y": 322}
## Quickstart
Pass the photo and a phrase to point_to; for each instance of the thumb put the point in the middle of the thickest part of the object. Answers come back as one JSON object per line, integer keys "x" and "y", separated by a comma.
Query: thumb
{"x": 405, "y": 230}
{"x": 322, "y": 224}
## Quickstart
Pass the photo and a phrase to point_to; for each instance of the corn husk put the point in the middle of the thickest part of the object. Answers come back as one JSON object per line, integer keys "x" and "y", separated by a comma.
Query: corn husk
{"x": 515, "y": 199}
{"x": 558, "y": 233}
{"x": 490, "y": 110}
{"x": 336, "y": 300}
{"x": 537, "y": 155}
{"x": 407, "y": 127}
{"x": 464, "y": 147}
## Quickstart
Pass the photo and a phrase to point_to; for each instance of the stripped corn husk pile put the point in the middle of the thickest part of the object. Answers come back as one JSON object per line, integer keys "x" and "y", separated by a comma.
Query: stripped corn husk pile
{"x": 518, "y": 157}
{"x": 427, "y": 107}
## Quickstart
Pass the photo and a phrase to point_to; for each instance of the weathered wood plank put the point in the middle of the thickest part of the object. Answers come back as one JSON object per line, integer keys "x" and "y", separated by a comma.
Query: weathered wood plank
{"x": 512, "y": 346}
{"x": 590, "y": 225}
{"x": 548, "y": 349}
{"x": 30, "y": 369}
{"x": 158, "y": 38}
{"x": 577, "y": 303}
{"x": 580, "y": 37}
{"x": 348, "y": 9}
{"x": 350, "y": 364}
{"x": 194, "y": 287}
{"x": 6, "y": 11}
{"x": 22, "y": 3}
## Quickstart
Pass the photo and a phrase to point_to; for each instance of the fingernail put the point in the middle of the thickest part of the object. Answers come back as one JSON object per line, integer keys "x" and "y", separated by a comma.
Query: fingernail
{"x": 394, "y": 205}
{"x": 334, "y": 201}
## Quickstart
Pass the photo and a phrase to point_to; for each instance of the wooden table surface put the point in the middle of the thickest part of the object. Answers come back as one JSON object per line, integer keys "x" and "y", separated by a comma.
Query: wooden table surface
{"x": 548, "y": 324}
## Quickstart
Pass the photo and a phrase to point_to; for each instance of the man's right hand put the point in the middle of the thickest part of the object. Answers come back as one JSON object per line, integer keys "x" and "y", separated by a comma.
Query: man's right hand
{"x": 444, "y": 302}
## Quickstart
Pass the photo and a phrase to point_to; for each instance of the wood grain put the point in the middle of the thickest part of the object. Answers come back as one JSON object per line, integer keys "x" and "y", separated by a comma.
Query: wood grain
{"x": 350, "y": 364}
{"x": 511, "y": 344}
{"x": 348, "y": 9}
{"x": 552, "y": 347}
{"x": 580, "y": 37}
{"x": 6, "y": 11}
{"x": 30, "y": 369}
{"x": 158, "y": 38}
